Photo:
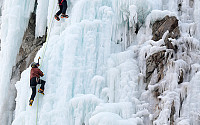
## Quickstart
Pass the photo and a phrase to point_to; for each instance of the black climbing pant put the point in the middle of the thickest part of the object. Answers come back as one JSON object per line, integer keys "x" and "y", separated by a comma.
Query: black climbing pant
{"x": 33, "y": 83}
{"x": 63, "y": 8}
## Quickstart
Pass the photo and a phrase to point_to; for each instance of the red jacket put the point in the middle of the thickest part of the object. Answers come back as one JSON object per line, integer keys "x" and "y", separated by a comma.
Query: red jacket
{"x": 61, "y": 1}
{"x": 36, "y": 72}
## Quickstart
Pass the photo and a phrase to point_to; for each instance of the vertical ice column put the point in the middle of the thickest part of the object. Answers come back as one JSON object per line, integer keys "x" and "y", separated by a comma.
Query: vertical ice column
{"x": 15, "y": 19}
{"x": 172, "y": 5}
{"x": 197, "y": 17}
{"x": 41, "y": 18}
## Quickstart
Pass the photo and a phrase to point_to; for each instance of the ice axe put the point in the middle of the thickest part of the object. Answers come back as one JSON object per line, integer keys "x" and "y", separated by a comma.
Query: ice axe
{"x": 39, "y": 60}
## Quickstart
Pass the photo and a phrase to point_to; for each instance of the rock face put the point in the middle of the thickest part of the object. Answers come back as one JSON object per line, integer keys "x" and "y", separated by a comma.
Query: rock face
{"x": 161, "y": 62}
{"x": 173, "y": 111}
{"x": 29, "y": 48}
{"x": 166, "y": 24}
{"x": 158, "y": 60}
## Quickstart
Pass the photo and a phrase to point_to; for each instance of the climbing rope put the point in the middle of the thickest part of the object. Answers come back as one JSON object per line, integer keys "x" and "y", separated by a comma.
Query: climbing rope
{"x": 48, "y": 32}
{"x": 44, "y": 50}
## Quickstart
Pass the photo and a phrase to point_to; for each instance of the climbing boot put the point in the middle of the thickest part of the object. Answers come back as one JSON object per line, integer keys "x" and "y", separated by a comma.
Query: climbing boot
{"x": 41, "y": 91}
{"x": 57, "y": 17}
{"x": 30, "y": 102}
{"x": 64, "y": 16}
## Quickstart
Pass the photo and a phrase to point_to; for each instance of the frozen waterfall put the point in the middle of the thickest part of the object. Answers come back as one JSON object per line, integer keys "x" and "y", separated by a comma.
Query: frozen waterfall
{"x": 95, "y": 64}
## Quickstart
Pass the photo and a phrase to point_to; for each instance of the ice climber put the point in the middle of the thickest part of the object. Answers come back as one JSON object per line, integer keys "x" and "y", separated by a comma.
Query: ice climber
{"x": 63, "y": 8}
{"x": 34, "y": 80}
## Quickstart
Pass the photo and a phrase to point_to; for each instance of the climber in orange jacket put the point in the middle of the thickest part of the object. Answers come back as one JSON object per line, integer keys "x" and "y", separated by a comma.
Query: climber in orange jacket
{"x": 63, "y": 8}
{"x": 34, "y": 80}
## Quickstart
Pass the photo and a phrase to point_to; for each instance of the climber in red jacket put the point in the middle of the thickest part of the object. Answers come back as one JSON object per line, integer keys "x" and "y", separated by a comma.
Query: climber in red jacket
{"x": 63, "y": 8}
{"x": 34, "y": 80}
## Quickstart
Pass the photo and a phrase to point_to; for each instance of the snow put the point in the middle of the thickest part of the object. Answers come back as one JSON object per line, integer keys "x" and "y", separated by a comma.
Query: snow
{"x": 95, "y": 64}
{"x": 107, "y": 118}
{"x": 157, "y": 15}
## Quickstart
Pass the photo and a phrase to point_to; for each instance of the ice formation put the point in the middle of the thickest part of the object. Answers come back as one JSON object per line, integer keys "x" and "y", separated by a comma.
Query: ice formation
{"x": 95, "y": 64}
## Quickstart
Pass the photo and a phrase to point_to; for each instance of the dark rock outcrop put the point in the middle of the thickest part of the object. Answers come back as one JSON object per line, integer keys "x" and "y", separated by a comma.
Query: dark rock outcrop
{"x": 157, "y": 60}
{"x": 166, "y": 24}
{"x": 29, "y": 48}
{"x": 173, "y": 111}
{"x": 180, "y": 77}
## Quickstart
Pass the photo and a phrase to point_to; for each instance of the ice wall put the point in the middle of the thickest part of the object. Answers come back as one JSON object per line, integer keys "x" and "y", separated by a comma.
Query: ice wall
{"x": 14, "y": 21}
{"x": 196, "y": 17}
{"x": 80, "y": 69}
{"x": 95, "y": 63}
{"x": 1, "y": 8}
